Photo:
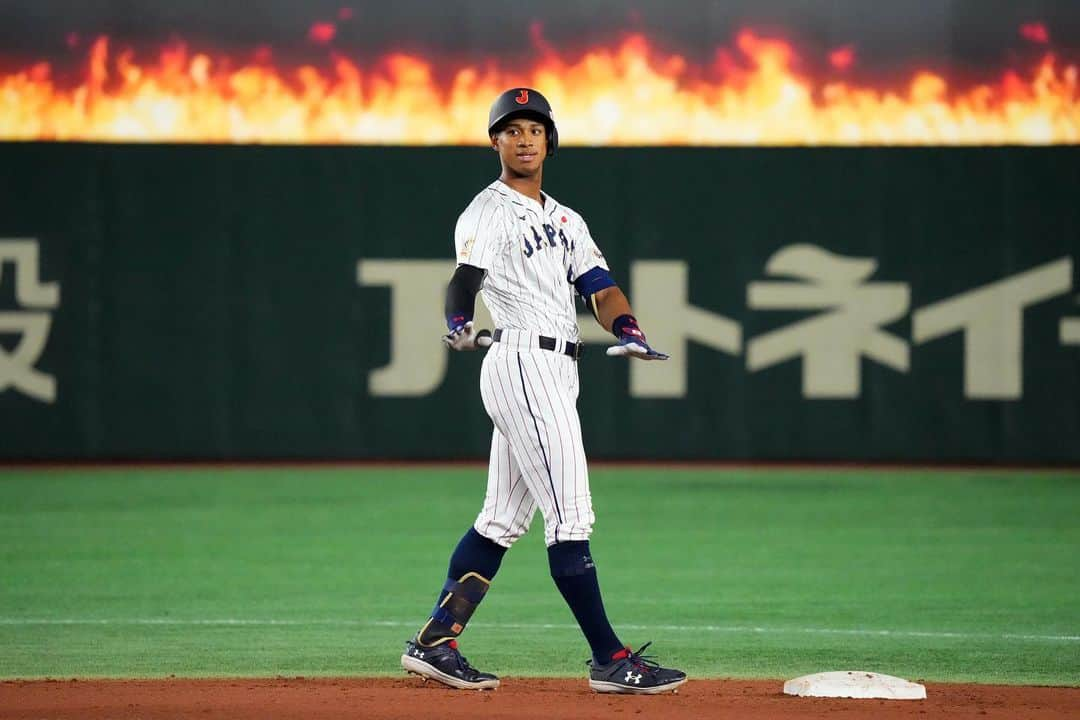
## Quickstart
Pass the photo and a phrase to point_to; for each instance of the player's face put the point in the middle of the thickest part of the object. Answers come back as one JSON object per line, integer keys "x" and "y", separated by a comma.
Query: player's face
{"x": 522, "y": 146}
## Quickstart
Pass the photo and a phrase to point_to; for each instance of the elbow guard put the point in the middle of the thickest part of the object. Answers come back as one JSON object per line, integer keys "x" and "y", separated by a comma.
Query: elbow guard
{"x": 461, "y": 295}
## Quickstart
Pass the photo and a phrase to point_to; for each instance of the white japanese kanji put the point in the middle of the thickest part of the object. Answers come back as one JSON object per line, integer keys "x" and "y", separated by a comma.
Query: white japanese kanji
{"x": 1070, "y": 331}
{"x": 31, "y": 325}
{"x": 831, "y": 344}
{"x": 991, "y": 318}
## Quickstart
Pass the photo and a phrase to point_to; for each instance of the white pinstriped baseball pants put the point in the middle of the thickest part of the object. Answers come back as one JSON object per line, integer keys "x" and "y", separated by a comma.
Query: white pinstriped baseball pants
{"x": 537, "y": 454}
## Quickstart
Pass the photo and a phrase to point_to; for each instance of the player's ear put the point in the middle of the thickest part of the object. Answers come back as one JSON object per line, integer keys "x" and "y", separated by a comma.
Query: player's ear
{"x": 494, "y": 141}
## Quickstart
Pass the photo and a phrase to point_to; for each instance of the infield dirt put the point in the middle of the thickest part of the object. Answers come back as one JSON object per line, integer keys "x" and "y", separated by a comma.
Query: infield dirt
{"x": 517, "y": 699}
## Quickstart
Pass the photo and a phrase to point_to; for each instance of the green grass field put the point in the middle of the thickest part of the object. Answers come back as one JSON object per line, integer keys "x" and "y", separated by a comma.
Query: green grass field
{"x": 958, "y": 575}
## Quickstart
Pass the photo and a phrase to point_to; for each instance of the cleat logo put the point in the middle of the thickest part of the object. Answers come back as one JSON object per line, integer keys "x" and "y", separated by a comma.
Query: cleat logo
{"x": 631, "y": 677}
{"x": 418, "y": 653}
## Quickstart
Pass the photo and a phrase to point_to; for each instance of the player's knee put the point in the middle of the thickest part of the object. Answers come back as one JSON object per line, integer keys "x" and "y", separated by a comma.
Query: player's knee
{"x": 508, "y": 540}
{"x": 560, "y": 532}
{"x": 502, "y": 535}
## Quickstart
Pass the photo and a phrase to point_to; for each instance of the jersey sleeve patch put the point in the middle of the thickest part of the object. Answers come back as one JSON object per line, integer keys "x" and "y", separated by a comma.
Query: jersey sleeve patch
{"x": 466, "y": 249}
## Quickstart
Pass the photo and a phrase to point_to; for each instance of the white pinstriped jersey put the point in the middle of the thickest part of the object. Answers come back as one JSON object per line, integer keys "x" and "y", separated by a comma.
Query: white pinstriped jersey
{"x": 531, "y": 253}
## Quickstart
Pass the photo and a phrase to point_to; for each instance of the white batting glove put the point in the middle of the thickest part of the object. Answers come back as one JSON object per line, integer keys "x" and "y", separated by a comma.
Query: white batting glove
{"x": 464, "y": 337}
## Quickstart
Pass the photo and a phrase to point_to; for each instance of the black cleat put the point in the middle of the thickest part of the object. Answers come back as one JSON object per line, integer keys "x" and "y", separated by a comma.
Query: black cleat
{"x": 443, "y": 663}
{"x": 633, "y": 673}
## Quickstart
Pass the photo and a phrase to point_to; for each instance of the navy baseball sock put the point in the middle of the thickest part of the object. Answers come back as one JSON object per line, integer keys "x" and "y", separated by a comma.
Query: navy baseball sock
{"x": 574, "y": 573}
{"x": 474, "y": 556}
{"x": 474, "y": 553}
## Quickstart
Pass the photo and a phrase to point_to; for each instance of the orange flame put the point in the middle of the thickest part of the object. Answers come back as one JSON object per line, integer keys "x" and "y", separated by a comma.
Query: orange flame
{"x": 625, "y": 94}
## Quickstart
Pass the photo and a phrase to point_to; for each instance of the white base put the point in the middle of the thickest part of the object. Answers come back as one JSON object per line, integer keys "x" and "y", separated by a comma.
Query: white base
{"x": 855, "y": 684}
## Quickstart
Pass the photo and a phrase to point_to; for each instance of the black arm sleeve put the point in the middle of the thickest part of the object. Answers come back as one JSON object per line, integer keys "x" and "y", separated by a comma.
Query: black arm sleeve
{"x": 461, "y": 295}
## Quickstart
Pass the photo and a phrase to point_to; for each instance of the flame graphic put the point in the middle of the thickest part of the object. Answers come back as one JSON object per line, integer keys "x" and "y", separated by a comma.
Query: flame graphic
{"x": 628, "y": 93}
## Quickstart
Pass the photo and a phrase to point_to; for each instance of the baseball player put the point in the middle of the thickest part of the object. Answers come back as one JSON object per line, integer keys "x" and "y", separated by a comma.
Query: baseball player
{"x": 530, "y": 254}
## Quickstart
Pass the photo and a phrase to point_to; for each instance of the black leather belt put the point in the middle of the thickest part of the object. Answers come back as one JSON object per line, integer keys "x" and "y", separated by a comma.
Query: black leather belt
{"x": 573, "y": 350}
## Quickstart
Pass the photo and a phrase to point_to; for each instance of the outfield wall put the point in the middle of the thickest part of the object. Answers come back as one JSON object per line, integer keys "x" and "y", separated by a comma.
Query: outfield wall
{"x": 283, "y": 302}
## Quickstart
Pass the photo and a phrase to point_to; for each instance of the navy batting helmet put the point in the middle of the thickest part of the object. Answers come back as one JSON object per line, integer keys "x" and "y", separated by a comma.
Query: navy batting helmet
{"x": 524, "y": 102}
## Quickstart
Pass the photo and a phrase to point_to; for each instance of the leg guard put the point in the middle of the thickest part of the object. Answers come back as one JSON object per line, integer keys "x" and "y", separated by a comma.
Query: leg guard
{"x": 450, "y": 616}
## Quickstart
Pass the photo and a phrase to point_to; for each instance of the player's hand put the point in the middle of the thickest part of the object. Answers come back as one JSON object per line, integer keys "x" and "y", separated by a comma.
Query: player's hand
{"x": 632, "y": 341}
{"x": 464, "y": 337}
{"x": 632, "y": 344}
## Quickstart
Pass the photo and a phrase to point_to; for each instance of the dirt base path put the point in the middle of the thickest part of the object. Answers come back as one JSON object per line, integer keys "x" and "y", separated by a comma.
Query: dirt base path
{"x": 517, "y": 699}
